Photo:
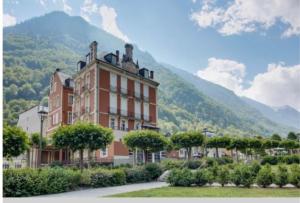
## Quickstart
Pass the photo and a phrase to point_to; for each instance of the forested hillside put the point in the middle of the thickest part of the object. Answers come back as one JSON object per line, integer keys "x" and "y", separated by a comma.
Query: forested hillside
{"x": 35, "y": 48}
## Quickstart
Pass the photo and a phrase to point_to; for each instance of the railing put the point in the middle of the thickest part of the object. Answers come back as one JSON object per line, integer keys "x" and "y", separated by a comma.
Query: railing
{"x": 113, "y": 88}
{"x": 119, "y": 128}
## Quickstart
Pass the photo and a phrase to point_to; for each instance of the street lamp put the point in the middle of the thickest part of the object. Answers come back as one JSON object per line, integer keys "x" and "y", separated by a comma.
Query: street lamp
{"x": 42, "y": 112}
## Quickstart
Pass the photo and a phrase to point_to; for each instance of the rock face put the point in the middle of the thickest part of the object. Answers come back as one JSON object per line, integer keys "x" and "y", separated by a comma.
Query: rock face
{"x": 163, "y": 177}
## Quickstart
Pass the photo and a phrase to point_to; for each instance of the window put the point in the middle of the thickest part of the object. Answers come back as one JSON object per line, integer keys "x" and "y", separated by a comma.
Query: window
{"x": 69, "y": 117}
{"x": 54, "y": 87}
{"x": 87, "y": 103}
{"x": 123, "y": 125}
{"x": 113, "y": 81}
{"x": 112, "y": 102}
{"x": 137, "y": 89}
{"x": 87, "y": 80}
{"x": 124, "y": 85}
{"x": 57, "y": 101}
{"x": 70, "y": 99}
{"x": 55, "y": 119}
{"x": 123, "y": 106}
{"x": 146, "y": 92}
{"x": 137, "y": 109}
{"x": 104, "y": 152}
{"x": 137, "y": 125}
{"x": 112, "y": 123}
{"x": 146, "y": 111}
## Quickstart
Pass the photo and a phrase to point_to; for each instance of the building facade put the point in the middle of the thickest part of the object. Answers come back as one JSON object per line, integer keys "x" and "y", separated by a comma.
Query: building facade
{"x": 115, "y": 94}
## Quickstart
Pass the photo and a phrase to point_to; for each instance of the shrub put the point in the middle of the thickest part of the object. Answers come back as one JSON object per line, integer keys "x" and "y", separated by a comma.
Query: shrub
{"x": 295, "y": 175}
{"x": 210, "y": 162}
{"x": 269, "y": 160}
{"x": 152, "y": 171}
{"x": 243, "y": 175}
{"x": 180, "y": 177}
{"x": 223, "y": 175}
{"x": 224, "y": 160}
{"x": 56, "y": 164}
{"x": 265, "y": 176}
{"x": 192, "y": 164}
{"x": 255, "y": 167}
{"x": 105, "y": 178}
{"x": 281, "y": 176}
{"x": 31, "y": 182}
{"x": 135, "y": 175}
{"x": 202, "y": 177}
{"x": 85, "y": 178}
{"x": 291, "y": 159}
{"x": 169, "y": 164}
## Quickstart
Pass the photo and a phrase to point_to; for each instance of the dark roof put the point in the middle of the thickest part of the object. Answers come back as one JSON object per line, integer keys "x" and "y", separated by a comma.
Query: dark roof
{"x": 63, "y": 77}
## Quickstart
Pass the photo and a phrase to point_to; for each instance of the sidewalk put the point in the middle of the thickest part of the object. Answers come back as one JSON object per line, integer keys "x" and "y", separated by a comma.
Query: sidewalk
{"x": 101, "y": 192}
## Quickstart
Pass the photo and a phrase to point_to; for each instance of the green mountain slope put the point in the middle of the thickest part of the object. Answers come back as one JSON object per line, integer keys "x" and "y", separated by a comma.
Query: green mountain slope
{"x": 35, "y": 48}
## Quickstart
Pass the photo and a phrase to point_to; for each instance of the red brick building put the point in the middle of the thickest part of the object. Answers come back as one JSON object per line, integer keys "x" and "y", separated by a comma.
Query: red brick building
{"x": 108, "y": 91}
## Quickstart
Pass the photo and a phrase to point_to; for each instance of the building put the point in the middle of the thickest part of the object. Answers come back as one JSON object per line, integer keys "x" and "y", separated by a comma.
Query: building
{"x": 115, "y": 94}
{"x": 30, "y": 122}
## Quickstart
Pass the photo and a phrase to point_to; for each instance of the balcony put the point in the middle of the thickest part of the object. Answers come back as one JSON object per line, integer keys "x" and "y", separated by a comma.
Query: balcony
{"x": 124, "y": 113}
{"x": 113, "y": 88}
{"x": 112, "y": 110}
{"x": 124, "y": 91}
{"x": 146, "y": 98}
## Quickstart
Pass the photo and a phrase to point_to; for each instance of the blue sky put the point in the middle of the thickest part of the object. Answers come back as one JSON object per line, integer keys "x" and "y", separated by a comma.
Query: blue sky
{"x": 241, "y": 45}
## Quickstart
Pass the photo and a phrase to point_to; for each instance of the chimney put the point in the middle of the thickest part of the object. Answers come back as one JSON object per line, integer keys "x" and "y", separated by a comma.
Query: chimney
{"x": 128, "y": 51}
{"x": 118, "y": 55}
{"x": 151, "y": 74}
{"x": 93, "y": 51}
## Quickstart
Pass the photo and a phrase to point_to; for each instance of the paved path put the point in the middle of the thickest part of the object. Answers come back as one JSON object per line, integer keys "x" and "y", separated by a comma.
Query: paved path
{"x": 100, "y": 192}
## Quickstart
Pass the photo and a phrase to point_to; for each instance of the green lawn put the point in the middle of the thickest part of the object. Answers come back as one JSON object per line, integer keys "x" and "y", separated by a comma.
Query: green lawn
{"x": 213, "y": 192}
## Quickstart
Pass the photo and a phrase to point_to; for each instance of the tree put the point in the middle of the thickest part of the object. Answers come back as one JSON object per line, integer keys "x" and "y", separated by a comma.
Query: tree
{"x": 289, "y": 145}
{"x": 148, "y": 141}
{"x": 80, "y": 136}
{"x": 218, "y": 142}
{"x": 255, "y": 144}
{"x": 238, "y": 144}
{"x": 187, "y": 140}
{"x": 276, "y": 137}
{"x": 292, "y": 136}
{"x": 15, "y": 141}
{"x": 34, "y": 142}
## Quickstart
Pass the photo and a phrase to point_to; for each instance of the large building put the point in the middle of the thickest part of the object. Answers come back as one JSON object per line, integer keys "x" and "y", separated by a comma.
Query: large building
{"x": 108, "y": 91}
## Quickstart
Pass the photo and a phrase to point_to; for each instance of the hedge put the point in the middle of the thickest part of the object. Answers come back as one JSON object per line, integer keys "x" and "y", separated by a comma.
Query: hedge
{"x": 274, "y": 160}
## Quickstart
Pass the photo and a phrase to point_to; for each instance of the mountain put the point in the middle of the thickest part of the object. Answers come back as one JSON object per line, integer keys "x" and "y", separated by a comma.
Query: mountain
{"x": 35, "y": 48}
{"x": 285, "y": 115}
{"x": 242, "y": 106}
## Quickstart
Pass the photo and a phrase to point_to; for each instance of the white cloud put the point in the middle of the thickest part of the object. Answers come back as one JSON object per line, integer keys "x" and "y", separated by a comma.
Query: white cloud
{"x": 87, "y": 9}
{"x": 278, "y": 86}
{"x": 9, "y": 20}
{"x": 109, "y": 23}
{"x": 66, "y": 7}
{"x": 249, "y": 16}
{"x": 224, "y": 72}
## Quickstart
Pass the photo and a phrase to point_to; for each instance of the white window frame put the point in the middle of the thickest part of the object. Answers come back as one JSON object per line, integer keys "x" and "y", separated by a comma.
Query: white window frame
{"x": 104, "y": 152}
{"x": 70, "y": 102}
{"x": 70, "y": 117}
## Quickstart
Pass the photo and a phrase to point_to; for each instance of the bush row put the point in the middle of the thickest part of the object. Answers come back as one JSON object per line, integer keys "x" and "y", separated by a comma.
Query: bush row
{"x": 288, "y": 159}
{"x": 31, "y": 182}
{"x": 195, "y": 164}
{"x": 240, "y": 175}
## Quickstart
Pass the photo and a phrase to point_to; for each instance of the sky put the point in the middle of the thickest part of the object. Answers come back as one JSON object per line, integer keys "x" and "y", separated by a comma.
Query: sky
{"x": 251, "y": 47}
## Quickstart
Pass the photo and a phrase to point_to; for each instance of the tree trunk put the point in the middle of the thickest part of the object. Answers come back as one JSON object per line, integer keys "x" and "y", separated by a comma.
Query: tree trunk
{"x": 81, "y": 160}
{"x": 146, "y": 156}
{"x": 237, "y": 155}
{"x": 189, "y": 153}
{"x": 217, "y": 152}
{"x": 28, "y": 157}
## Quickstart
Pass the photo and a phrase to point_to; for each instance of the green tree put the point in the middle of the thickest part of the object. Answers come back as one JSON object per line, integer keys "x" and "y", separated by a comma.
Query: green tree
{"x": 148, "y": 141}
{"x": 218, "y": 142}
{"x": 281, "y": 176}
{"x": 238, "y": 144}
{"x": 276, "y": 137}
{"x": 34, "y": 142}
{"x": 15, "y": 141}
{"x": 292, "y": 136}
{"x": 80, "y": 136}
{"x": 255, "y": 144}
{"x": 187, "y": 140}
{"x": 289, "y": 145}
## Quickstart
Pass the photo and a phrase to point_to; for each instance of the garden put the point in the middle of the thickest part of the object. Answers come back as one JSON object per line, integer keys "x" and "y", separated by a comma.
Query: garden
{"x": 256, "y": 173}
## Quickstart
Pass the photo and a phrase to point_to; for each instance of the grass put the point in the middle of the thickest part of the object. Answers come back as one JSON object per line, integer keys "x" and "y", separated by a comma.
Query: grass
{"x": 213, "y": 192}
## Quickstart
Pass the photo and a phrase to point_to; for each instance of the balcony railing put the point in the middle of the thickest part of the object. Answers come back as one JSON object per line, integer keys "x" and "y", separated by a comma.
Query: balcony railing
{"x": 119, "y": 128}
{"x": 113, "y": 88}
